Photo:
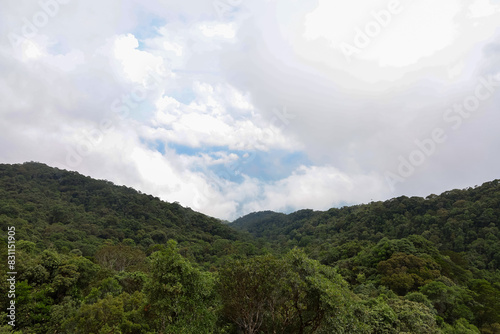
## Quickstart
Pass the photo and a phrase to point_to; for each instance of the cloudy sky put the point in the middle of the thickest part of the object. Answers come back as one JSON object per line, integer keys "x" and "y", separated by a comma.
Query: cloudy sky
{"x": 234, "y": 106}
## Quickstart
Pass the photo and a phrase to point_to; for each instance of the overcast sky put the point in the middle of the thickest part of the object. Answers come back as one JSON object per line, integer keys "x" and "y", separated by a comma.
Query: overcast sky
{"x": 234, "y": 106}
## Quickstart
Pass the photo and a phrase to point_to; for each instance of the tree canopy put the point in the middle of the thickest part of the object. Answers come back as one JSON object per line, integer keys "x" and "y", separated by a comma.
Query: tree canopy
{"x": 92, "y": 257}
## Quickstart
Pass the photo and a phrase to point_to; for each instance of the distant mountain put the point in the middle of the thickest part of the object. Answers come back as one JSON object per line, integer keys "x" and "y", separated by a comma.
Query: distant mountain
{"x": 465, "y": 221}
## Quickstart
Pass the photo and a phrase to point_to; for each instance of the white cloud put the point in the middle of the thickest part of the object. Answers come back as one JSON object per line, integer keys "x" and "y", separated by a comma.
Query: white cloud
{"x": 482, "y": 8}
{"x": 319, "y": 188}
{"x": 218, "y": 30}
{"x": 137, "y": 64}
{"x": 231, "y": 81}
{"x": 31, "y": 50}
{"x": 66, "y": 62}
{"x": 422, "y": 37}
{"x": 219, "y": 116}
{"x": 174, "y": 47}
{"x": 427, "y": 28}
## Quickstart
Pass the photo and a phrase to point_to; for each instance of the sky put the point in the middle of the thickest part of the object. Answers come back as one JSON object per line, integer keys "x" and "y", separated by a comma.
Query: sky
{"x": 236, "y": 106}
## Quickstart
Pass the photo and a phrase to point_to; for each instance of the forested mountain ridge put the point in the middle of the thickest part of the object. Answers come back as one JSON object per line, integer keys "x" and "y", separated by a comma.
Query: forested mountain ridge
{"x": 405, "y": 244}
{"x": 66, "y": 210}
{"x": 92, "y": 257}
{"x": 462, "y": 221}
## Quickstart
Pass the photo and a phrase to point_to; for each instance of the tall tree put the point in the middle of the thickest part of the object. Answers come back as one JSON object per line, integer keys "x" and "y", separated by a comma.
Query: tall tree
{"x": 290, "y": 295}
{"x": 180, "y": 296}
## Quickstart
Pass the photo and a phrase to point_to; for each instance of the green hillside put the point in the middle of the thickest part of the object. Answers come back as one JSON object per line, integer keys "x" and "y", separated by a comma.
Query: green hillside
{"x": 67, "y": 211}
{"x": 457, "y": 222}
{"x": 92, "y": 257}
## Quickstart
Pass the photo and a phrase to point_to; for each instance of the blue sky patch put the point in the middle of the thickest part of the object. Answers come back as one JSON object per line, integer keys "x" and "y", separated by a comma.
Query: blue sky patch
{"x": 265, "y": 166}
{"x": 273, "y": 165}
{"x": 184, "y": 96}
{"x": 147, "y": 29}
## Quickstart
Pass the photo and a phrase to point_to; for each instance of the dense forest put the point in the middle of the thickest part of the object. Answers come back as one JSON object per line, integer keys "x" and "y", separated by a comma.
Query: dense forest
{"x": 93, "y": 257}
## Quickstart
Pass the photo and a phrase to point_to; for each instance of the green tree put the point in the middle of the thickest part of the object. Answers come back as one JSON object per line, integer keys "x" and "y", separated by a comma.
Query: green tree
{"x": 405, "y": 272}
{"x": 250, "y": 291}
{"x": 461, "y": 326}
{"x": 120, "y": 257}
{"x": 180, "y": 296}
{"x": 123, "y": 314}
{"x": 487, "y": 305}
{"x": 290, "y": 295}
{"x": 451, "y": 302}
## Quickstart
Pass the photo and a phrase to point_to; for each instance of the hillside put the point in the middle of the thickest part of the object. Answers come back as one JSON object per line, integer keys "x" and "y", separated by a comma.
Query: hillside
{"x": 405, "y": 244}
{"x": 459, "y": 221}
{"x": 67, "y": 211}
{"x": 93, "y": 257}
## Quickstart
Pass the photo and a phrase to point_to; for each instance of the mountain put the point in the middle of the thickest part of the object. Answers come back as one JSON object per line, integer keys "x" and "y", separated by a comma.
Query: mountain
{"x": 460, "y": 221}
{"x": 67, "y": 211}
{"x": 88, "y": 256}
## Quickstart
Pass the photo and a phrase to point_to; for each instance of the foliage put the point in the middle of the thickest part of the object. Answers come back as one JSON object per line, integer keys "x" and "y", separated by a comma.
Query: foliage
{"x": 180, "y": 296}
{"x": 92, "y": 257}
{"x": 293, "y": 294}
